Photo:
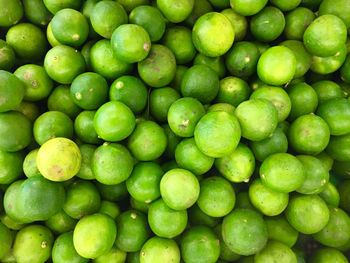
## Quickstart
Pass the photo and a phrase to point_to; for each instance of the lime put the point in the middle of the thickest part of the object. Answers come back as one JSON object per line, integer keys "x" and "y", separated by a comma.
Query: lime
{"x": 153, "y": 147}
{"x": 104, "y": 62}
{"x": 109, "y": 208}
{"x": 6, "y": 238}
{"x": 160, "y": 101}
{"x": 84, "y": 127}
{"x": 63, "y": 64}
{"x": 340, "y": 8}
{"x": 325, "y": 36}
{"x": 29, "y": 164}
{"x": 324, "y": 255}
{"x": 113, "y": 255}
{"x": 133, "y": 231}
{"x": 247, "y": 8}
{"x": 130, "y": 43}
{"x": 280, "y": 230}
{"x": 175, "y": 11}
{"x": 15, "y": 131}
{"x": 70, "y": 27}
{"x": 164, "y": 221}
{"x": 345, "y": 76}
{"x": 143, "y": 183}
{"x": 188, "y": 156}
{"x": 7, "y": 56}
{"x": 282, "y": 165}
{"x": 86, "y": 52}
{"x": 237, "y": 166}
{"x": 327, "y": 89}
{"x": 52, "y": 124}
{"x": 94, "y": 235}
{"x": 242, "y": 58}
{"x": 63, "y": 250}
{"x": 275, "y": 251}
{"x": 239, "y": 22}
{"x": 229, "y": 108}
{"x": 225, "y": 252}
{"x": 308, "y": 214}
{"x": 224, "y": 132}
{"x": 268, "y": 24}
{"x": 61, "y": 222}
{"x": 160, "y": 250}
{"x": 50, "y": 37}
{"x": 200, "y": 8}
{"x": 37, "y": 82}
{"x": 106, "y": 16}
{"x": 56, "y": 5}
{"x": 179, "y": 189}
{"x": 326, "y": 65}
{"x": 36, "y": 12}
{"x": 266, "y": 200}
{"x": 112, "y": 163}
{"x": 114, "y": 192}
{"x": 179, "y": 73}
{"x": 139, "y": 206}
{"x": 200, "y": 82}
{"x": 130, "y": 5}
{"x": 59, "y": 159}
{"x": 277, "y": 66}
{"x": 197, "y": 217}
{"x": 151, "y": 19}
{"x": 330, "y": 195}
{"x": 12, "y": 91}
{"x": 284, "y": 5}
{"x": 12, "y": 13}
{"x": 200, "y": 244}
{"x": 215, "y": 63}
{"x": 244, "y": 231}
{"x": 158, "y": 69}
{"x": 217, "y": 197}
{"x": 213, "y": 34}
{"x": 309, "y": 134}
{"x": 10, "y": 202}
{"x": 33, "y": 244}
{"x": 297, "y": 21}
{"x": 29, "y": 109}
{"x": 338, "y": 148}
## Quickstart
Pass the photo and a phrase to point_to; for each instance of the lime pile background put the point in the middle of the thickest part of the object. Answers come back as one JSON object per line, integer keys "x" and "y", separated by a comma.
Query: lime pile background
{"x": 174, "y": 131}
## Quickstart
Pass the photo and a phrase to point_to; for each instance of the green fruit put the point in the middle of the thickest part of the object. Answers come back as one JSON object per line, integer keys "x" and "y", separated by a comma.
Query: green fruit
{"x": 12, "y": 91}
{"x": 12, "y": 13}
{"x": 109, "y": 208}
{"x": 84, "y": 127}
{"x": 326, "y": 65}
{"x": 286, "y": 5}
{"x": 160, "y": 101}
{"x": 233, "y": 91}
{"x": 61, "y": 223}
{"x": 113, "y": 255}
{"x": 6, "y": 239}
{"x": 275, "y": 251}
{"x": 330, "y": 195}
{"x": 280, "y": 230}
{"x": 175, "y": 11}
{"x": 215, "y": 63}
{"x": 324, "y": 255}
{"x": 247, "y": 8}
{"x": 159, "y": 250}
{"x": 339, "y": 8}
{"x": 297, "y": 21}
{"x": 60, "y": 100}
{"x": 36, "y": 12}
{"x": 56, "y": 5}
{"x": 10, "y": 166}
{"x": 327, "y": 89}
{"x": 239, "y": 22}
{"x": 7, "y": 56}
{"x": 338, "y": 148}
{"x": 29, "y": 164}
{"x": 87, "y": 152}
{"x": 63, "y": 250}
{"x": 113, "y": 193}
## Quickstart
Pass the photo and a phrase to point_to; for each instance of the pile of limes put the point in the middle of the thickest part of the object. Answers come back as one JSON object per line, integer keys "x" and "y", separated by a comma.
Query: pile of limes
{"x": 167, "y": 131}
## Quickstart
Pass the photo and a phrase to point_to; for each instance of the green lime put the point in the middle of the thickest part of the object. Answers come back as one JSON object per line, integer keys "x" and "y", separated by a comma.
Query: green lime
{"x": 229, "y": 108}
{"x": 165, "y": 221}
{"x": 160, "y": 250}
{"x": 63, "y": 64}
{"x": 324, "y": 255}
{"x": 330, "y": 195}
{"x": 160, "y": 101}
{"x": 338, "y": 148}
{"x": 52, "y": 124}
{"x": 61, "y": 222}
{"x": 56, "y": 5}
{"x": 114, "y": 121}
{"x": 297, "y": 21}
{"x": 275, "y": 251}
{"x": 59, "y": 159}
{"x": 28, "y": 41}
{"x": 340, "y": 8}
{"x": 225, "y": 252}
{"x": 244, "y": 231}
{"x": 130, "y": 5}
{"x": 33, "y": 244}
{"x": 239, "y": 22}
{"x": 94, "y": 235}
{"x": 12, "y": 13}
{"x": 50, "y": 37}
{"x": 12, "y": 91}
{"x": 86, "y": 52}
{"x": 179, "y": 189}
{"x": 213, "y": 34}
{"x": 266, "y": 200}
{"x": 158, "y": 69}
{"x": 217, "y": 197}
{"x": 242, "y": 58}
{"x": 200, "y": 244}
{"x": 224, "y": 132}
{"x": 282, "y": 172}
{"x": 131, "y": 91}
{"x": 130, "y": 43}
{"x": 237, "y": 166}
{"x": 337, "y": 231}
{"x": 29, "y": 164}
{"x": 106, "y": 16}
{"x": 29, "y": 109}
{"x": 326, "y": 65}
{"x": 60, "y": 100}
{"x": 70, "y": 27}
{"x": 215, "y": 63}
{"x": 197, "y": 217}
{"x": 133, "y": 231}
{"x": 280, "y": 230}
{"x": 304, "y": 99}
{"x": 308, "y": 214}
{"x": 316, "y": 175}
{"x": 183, "y": 116}
{"x": 63, "y": 250}
{"x": 10, "y": 202}
{"x": 268, "y": 24}
{"x": 6, "y": 239}
{"x": 143, "y": 183}
{"x": 87, "y": 151}
{"x": 114, "y": 192}
{"x": 175, "y": 10}
{"x": 139, "y": 206}
{"x": 37, "y": 82}
{"x": 325, "y": 36}
{"x": 327, "y": 89}
{"x": 89, "y": 90}
{"x": 277, "y": 66}
{"x": 303, "y": 58}
{"x": 15, "y": 131}
{"x": 36, "y": 12}
{"x": 247, "y": 7}
{"x": 179, "y": 73}
{"x": 153, "y": 147}
{"x": 84, "y": 127}
{"x": 110, "y": 208}
{"x": 188, "y": 156}
{"x": 151, "y": 19}
{"x": 200, "y": 8}
{"x": 309, "y": 134}
{"x": 285, "y": 5}
{"x": 7, "y": 56}
{"x": 104, "y": 62}
{"x": 258, "y": 118}
{"x": 112, "y": 163}
{"x": 113, "y": 255}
